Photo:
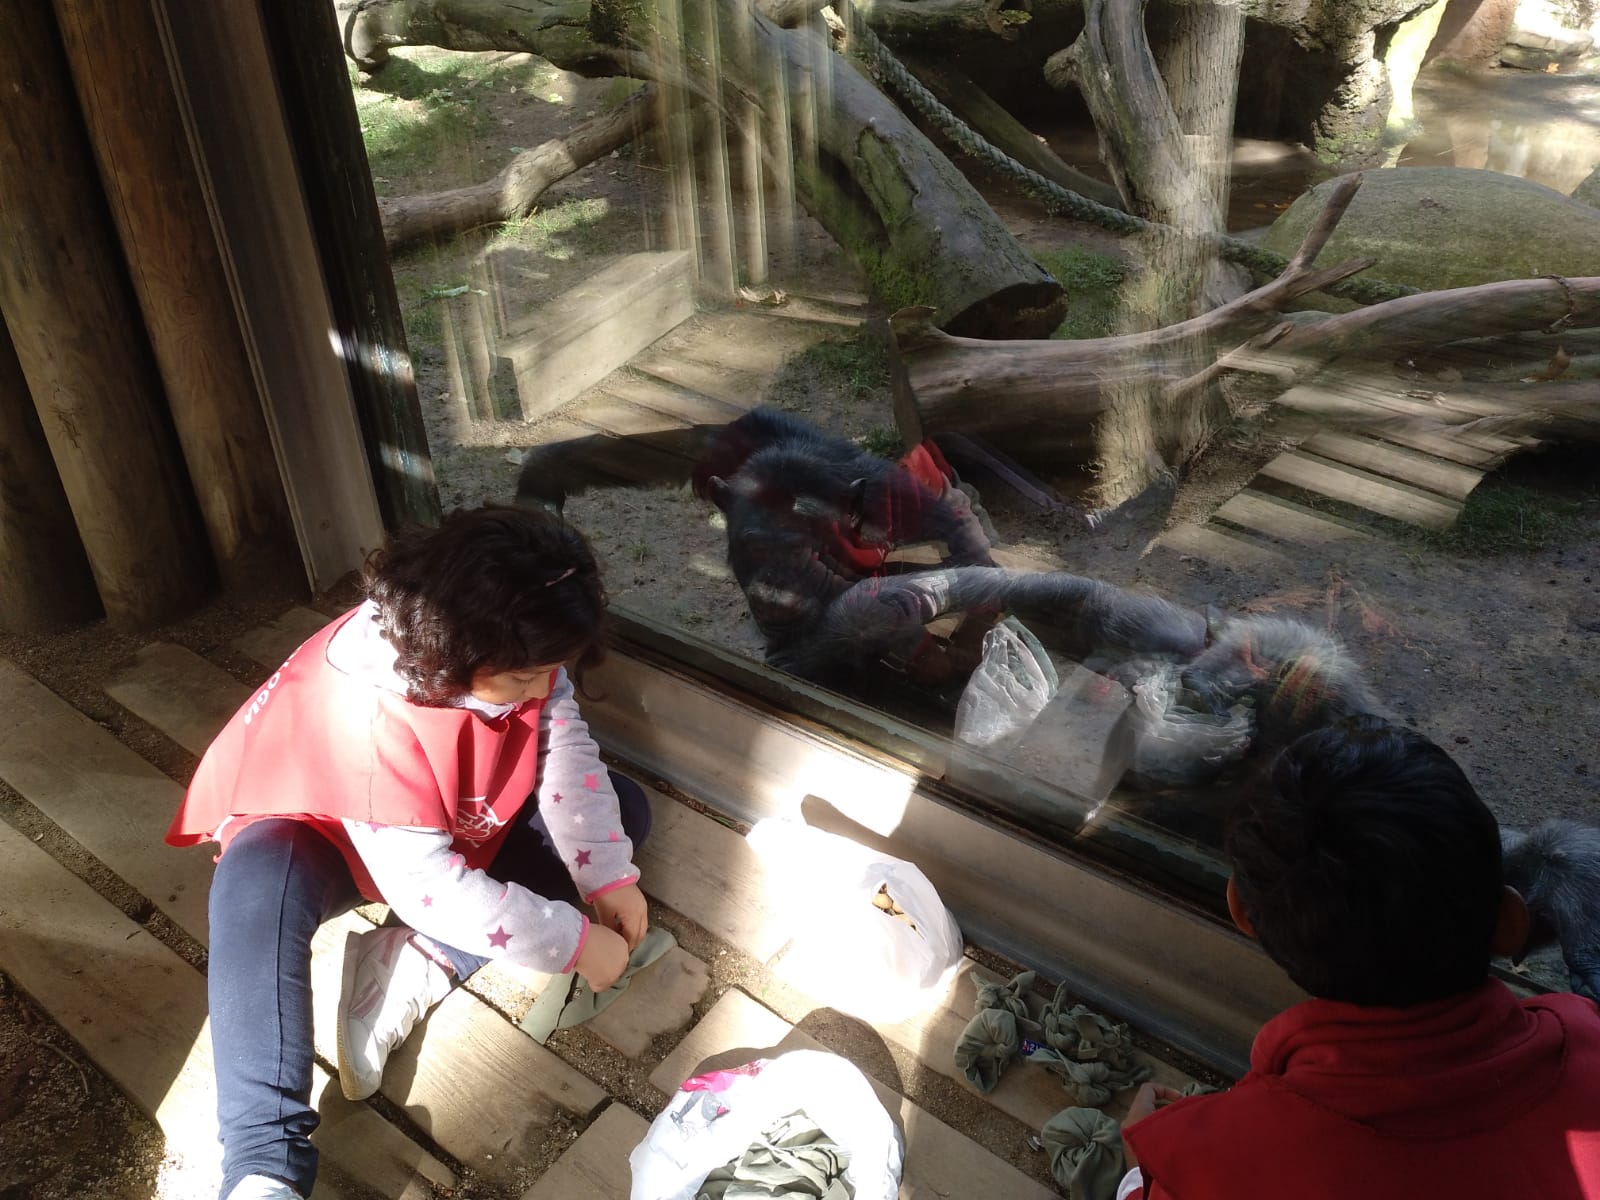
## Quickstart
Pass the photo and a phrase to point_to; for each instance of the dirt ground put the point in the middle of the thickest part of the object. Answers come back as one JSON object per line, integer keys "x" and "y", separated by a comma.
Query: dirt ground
{"x": 1487, "y": 641}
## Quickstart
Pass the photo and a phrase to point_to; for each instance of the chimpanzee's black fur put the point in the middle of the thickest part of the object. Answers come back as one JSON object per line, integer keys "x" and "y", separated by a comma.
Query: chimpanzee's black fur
{"x": 1556, "y": 868}
{"x": 809, "y": 514}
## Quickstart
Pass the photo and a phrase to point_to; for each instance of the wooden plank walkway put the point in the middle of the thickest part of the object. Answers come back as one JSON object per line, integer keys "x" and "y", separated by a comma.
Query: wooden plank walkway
{"x": 1390, "y": 455}
{"x": 646, "y": 421}
{"x": 475, "y": 1089}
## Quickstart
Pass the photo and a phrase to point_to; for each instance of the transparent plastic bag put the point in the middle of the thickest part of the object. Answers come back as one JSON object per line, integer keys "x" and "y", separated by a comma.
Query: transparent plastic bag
{"x": 1009, "y": 688}
{"x": 1177, "y": 746}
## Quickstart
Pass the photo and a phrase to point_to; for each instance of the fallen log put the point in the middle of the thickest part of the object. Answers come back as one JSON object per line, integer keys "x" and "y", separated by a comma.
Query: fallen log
{"x": 556, "y": 30}
{"x": 1002, "y": 130}
{"x": 1042, "y": 401}
{"x": 515, "y": 191}
{"x": 919, "y": 229}
{"x": 1035, "y": 399}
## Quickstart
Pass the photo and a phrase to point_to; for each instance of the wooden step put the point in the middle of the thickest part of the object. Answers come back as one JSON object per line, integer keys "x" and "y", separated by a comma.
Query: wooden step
{"x": 1287, "y": 521}
{"x": 686, "y": 850}
{"x": 139, "y": 1013}
{"x": 658, "y": 396}
{"x": 1353, "y": 403}
{"x": 112, "y": 802}
{"x": 804, "y": 308}
{"x": 1363, "y": 489}
{"x": 596, "y": 327}
{"x": 1220, "y": 547}
{"x": 177, "y": 691}
{"x": 938, "y": 1160}
{"x": 596, "y": 1165}
{"x": 1426, "y": 471}
{"x": 728, "y": 356}
{"x": 659, "y": 1000}
{"x": 272, "y": 643}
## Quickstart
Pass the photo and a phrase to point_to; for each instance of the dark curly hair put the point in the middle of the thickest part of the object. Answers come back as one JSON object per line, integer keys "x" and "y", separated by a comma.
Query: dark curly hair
{"x": 493, "y": 587}
{"x": 1369, "y": 867}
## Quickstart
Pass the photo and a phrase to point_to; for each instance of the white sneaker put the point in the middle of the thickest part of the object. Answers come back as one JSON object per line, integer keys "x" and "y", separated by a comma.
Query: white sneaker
{"x": 262, "y": 1187}
{"x": 388, "y": 985}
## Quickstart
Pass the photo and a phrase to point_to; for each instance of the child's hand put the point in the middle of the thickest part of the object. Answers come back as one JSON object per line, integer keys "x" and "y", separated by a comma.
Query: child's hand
{"x": 1145, "y": 1101}
{"x": 603, "y": 959}
{"x": 624, "y": 910}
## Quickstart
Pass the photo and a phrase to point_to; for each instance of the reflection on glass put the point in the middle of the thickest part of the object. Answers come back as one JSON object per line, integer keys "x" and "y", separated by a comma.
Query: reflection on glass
{"x": 1064, "y": 395}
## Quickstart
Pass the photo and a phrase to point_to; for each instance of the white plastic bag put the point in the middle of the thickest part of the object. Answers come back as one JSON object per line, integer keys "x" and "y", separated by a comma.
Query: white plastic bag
{"x": 870, "y": 936}
{"x": 713, "y": 1118}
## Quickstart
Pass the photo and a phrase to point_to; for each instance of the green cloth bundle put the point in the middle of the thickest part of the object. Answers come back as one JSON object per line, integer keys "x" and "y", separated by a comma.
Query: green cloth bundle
{"x": 567, "y": 1000}
{"x": 986, "y": 1047}
{"x": 1085, "y": 1149}
{"x": 794, "y": 1159}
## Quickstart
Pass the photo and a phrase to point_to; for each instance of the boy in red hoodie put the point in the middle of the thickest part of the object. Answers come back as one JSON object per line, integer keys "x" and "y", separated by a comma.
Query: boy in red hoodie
{"x": 1369, "y": 870}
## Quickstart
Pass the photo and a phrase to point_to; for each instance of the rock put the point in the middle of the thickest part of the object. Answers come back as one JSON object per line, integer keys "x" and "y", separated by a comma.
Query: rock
{"x": 1588, "y": 191}
{"x": 1546, "y": 35}
{"x": 1472, "y": 32}
{"x": 1449, "y": 227}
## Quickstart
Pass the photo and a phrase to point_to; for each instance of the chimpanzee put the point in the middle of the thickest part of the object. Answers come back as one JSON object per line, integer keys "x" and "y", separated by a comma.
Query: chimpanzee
{"x": 1556, "y": 868}
{"x": 811, "y": 519}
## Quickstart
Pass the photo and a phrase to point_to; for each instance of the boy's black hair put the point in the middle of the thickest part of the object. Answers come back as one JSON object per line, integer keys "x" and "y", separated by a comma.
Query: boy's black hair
{"x": 1369, "y": 867}
{"x": 496, "y": 587}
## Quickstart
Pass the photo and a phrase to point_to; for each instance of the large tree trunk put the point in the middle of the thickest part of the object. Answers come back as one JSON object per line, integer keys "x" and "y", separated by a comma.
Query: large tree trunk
{"x": 921, "y": 231}
{"x": 1171, "y": 169}
{"x": 556, "y": 30}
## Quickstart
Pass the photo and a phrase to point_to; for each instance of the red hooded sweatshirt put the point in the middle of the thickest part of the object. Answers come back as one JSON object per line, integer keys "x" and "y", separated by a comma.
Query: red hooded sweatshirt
{"x": 1477, "y": 1097}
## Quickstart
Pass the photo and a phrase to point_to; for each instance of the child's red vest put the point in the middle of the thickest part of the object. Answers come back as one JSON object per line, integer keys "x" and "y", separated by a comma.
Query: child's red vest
{"x": 318, "y": 745}
{"x": 1480, "y": 1097}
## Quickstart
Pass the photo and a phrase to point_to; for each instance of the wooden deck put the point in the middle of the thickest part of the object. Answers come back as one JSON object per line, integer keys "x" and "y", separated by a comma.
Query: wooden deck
{"x": 1321, "y": 496}
{"x": 646, "y": 421}
{"x": 474, "y": 1091}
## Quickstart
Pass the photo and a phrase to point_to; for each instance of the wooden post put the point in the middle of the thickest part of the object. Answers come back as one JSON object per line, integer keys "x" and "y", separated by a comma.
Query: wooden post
{"x": 321, "y": 115}
{"x": 79, "y": 339}
{"x": 45, "y": 582}
{"x": 119, "y": 67}
{"x": 231, "y": 111}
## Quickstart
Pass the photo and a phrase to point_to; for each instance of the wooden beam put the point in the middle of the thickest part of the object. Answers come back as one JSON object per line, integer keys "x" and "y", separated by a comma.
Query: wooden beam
{"x": 45, "y": 583}
{"x": 148, "y": 172}
{"x": 80, "y": 341}
{"x": 325, "y": 138}
{"x": 228, "y": 95}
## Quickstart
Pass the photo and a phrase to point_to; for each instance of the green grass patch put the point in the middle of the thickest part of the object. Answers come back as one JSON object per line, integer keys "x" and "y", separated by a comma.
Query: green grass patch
{"x": 1093, "y": 283}
{"x": 572, "y": 229}
{"x": 1502, "y": 517}
{"x": 856, "y": 367}
{"x": 884, "y": 441}
{"x": 422, "y": 114}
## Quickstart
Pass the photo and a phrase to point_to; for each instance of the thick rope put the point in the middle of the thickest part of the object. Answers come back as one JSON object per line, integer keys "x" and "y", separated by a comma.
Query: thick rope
{"x": 1062, "y": 202}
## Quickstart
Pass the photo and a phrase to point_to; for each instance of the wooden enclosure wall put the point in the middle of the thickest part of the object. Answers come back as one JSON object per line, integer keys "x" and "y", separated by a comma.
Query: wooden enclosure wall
{"x": 159, "y": 428}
